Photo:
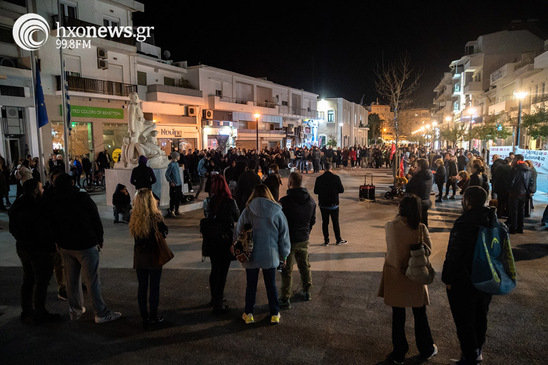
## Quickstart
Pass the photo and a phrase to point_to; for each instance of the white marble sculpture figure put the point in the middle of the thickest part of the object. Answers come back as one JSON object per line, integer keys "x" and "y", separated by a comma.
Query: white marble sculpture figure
{"x": 141, "y": 139}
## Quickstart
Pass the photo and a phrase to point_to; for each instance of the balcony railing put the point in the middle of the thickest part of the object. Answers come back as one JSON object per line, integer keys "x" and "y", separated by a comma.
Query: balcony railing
{"x": 95, "y": 86}
{"x": 73, "y": 22}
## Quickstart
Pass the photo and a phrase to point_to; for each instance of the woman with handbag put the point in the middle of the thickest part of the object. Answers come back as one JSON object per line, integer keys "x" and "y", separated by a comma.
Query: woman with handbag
{"x": 397, "y": 289}
{"x": 271, "y": 246}
{"x": 221, "y": 211}
{"x": 145, "y": 223}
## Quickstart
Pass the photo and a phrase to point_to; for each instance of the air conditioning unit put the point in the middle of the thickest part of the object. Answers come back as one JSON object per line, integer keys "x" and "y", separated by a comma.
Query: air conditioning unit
{"x": 102, "y": 64}
{"x": 12, "y": 112}
{"x": 192, "y": 111}
{"x": 102, "y": 53}
{"x": 208, "y": 114}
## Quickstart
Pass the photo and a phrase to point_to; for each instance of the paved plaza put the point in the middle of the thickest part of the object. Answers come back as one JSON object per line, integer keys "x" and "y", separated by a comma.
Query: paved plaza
{"x": 345, "y": 323}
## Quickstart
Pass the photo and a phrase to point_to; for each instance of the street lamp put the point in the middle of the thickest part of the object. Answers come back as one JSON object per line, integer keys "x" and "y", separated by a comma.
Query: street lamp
{"x": 257, "y": 116}
{"x": 520, "y": 95}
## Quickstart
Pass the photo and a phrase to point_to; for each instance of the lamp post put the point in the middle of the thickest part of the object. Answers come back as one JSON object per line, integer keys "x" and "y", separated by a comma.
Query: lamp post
{"x": 520, "y": 95}
{"x": 471, "y": 111}
{"x": 257, "y": 116}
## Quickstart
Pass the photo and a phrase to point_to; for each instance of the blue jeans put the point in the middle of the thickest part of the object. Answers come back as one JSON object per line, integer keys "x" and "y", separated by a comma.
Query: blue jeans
{"x": 83, "y": 263}
{"x": 269, "y": 276}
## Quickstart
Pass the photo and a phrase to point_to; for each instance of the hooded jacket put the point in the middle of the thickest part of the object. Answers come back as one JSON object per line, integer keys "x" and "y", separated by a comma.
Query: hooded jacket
{"x": 270, "y": 233}
{"x": 300, "y": 210}
{"x": 457, "y": 267}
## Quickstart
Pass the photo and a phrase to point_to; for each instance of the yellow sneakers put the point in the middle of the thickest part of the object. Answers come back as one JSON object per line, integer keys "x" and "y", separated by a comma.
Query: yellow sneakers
{"x": 275, "y": 319}
{"x": 248, "y": 318}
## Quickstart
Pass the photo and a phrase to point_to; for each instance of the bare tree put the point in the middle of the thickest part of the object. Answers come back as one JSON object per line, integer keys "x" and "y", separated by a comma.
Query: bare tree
{"x": 396, "y": 83}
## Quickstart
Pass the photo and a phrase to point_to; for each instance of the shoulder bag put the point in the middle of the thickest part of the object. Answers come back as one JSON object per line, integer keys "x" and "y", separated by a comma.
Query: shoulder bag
{"x": 163, "y": 254}
{"x": 419, "y": 268}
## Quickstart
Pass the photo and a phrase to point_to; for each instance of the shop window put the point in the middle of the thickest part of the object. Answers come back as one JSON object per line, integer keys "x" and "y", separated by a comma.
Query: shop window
{"x": 81, "y": 138}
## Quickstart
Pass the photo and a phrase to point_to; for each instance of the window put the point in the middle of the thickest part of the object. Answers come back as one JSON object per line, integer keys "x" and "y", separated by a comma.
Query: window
{"x": 169, "y": 81}
{"x": 6, "y": 35}
{"x": 69, "y": 9}
{"x": 219, "y": 93}
{"x": 330, "y": 116}
{"x": 141, "y": 78}
{"x": 111, "y": 22}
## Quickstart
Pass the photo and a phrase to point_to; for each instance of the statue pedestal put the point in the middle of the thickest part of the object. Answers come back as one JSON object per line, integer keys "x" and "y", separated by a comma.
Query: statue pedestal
{"x": 114, "y": 177}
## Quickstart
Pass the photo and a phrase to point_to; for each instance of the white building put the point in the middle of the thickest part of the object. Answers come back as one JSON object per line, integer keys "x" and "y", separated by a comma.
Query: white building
{"x": 342, "y": 121}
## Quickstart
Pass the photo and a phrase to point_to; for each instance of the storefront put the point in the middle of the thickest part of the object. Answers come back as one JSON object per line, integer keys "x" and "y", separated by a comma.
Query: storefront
{"x": 177, "y": 137}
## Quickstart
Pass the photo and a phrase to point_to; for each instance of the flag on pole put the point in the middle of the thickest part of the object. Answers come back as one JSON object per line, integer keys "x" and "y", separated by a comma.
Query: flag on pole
{"x": 67, "y": 101}
{"x": 42, "y": 113}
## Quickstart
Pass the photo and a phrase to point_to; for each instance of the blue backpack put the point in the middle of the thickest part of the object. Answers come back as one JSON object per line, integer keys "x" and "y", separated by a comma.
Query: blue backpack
{"x": 493, "y": 267}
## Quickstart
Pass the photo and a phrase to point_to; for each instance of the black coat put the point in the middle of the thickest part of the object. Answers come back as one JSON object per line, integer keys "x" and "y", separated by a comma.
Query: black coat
{"x": 28, "y": 225}
{"x": 142, "y": 176}
{"x": 273, "y": 183}
{"x": 328, "y": 186}
{"x": 420, "y": 184}
{"x": 223, "y": 217}
{"x": 246, "y": 184}
{"x": 300, "y": 210}
{"x": 74, "y": 220}
{"x": 521, "y": 180}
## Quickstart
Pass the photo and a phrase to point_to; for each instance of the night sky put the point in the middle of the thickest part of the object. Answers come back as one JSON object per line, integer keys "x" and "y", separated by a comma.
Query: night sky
{"x": 331, "y": 49}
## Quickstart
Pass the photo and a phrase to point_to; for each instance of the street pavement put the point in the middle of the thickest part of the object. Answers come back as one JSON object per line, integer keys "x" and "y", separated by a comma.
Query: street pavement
{"x": 345, "y": 323}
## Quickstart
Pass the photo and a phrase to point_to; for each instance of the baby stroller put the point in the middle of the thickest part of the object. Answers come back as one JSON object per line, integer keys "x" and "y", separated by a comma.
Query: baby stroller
{"x": 397, "y": 189}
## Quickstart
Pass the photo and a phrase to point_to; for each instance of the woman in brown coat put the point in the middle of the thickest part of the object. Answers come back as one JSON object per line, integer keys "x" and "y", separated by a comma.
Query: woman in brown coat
{"x": 400, "y": 292}
{"x": 145, "y": 220}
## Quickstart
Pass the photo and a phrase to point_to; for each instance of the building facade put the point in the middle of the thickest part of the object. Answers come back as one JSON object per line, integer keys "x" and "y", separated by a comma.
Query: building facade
{"x": 342, "y": 123}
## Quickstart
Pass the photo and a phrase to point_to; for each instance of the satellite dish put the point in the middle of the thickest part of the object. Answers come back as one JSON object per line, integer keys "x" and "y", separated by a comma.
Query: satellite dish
{"x": 167, "y": 54}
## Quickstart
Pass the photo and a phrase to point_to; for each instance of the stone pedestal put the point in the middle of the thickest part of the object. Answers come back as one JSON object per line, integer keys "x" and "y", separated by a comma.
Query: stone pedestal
{"x": 114, "y": 177}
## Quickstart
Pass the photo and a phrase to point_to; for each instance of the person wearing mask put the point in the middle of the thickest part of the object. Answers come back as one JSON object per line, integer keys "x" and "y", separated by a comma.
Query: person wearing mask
{"x": 398, "y": 291}
{"x": 420, "y": 184}
{"x": 328, "y": 186}
{"x": 145, "y": 221}
{"x": 76, "y": 226}
{"x": 223, "y": 211}
{"x": 300, "y": 210}
{"x": 271, "y": 246}
{"x": 35, "y": 248}
{"x": 273, "y": 181}
{"x": 469, "y": 306}
{"x": 142, "y": 176}
{"x": 173, "y": 177}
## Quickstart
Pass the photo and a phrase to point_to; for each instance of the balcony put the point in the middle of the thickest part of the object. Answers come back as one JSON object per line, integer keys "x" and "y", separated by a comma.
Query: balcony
{"x": 95, "y": 86}
{"x": 473, "y": 87}
{"x": 73, "y": 22}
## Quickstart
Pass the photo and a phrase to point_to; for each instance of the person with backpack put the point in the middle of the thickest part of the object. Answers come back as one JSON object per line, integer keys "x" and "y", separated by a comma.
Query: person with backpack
{"x": 469, "y": 306}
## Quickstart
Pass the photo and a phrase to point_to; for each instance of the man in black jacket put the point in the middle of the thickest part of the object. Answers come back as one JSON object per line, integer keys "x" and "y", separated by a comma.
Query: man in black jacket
{"x": 469, "y": 306}
{"x": 142, "y": 176}
{"x": 78, "y": 233}
{"x": 519, "y": 189}
{"x": 246, "y": 183}
{"x": 420, "y": 184}
{"x": 328, "y": 186}
{"x": 300, "y": 211}
{"x": 35, "y": 249}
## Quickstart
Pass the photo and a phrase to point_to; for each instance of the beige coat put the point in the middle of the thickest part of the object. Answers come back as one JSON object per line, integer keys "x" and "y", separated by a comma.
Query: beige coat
{"x": 396, "y": 288}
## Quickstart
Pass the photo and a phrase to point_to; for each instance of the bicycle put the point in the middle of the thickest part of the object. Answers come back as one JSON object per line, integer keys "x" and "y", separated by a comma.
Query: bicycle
{"x": 95, "y": 182}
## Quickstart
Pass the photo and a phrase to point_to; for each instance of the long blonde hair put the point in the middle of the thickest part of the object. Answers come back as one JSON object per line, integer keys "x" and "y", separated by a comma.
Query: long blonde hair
{"x": 144, "y": 213}
{"x": 260, "y": 191}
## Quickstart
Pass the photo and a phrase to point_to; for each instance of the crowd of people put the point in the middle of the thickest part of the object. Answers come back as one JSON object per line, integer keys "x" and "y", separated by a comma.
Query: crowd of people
{"x": 242, "y": 190}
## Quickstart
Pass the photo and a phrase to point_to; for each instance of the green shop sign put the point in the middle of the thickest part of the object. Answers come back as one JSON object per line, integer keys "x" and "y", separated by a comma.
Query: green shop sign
{"x": 78, "y": 111}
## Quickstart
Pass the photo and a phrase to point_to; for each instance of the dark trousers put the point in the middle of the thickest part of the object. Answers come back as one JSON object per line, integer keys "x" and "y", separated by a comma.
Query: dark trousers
{"x": 423, "y": 336}
{"x": 37, "y": 272}
{"x": 217, "y": 279}
{"x": 269, "y": 276}
{"x": 175, "y": 193}
{"x": 544, "y": 219}
{"x": 469, "y": 308}
{"x": 502, "y": 204}
{"x": 440, "y": 190}
{"x": 451, "y": 184}
{"x": 334, "y": 214}
{"x": 425, "y": 206}
{"x": 123, "y": 210}
{"x": 149, "y": 279}
{"x": 516, "y": 212}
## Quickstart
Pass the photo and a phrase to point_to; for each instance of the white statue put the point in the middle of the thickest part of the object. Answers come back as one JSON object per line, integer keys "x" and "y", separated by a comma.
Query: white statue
{"x": 141, "y": 140}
